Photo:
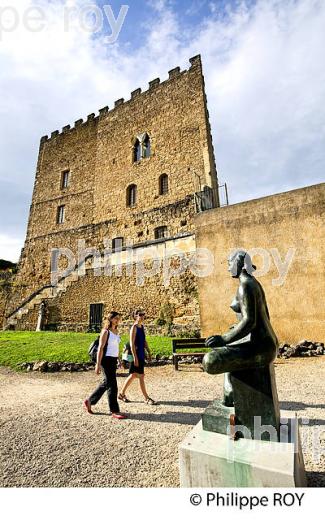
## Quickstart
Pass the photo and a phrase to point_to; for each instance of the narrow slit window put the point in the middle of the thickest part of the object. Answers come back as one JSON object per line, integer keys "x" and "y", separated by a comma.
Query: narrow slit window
{"x": 60, "y": 215}
{"x": 146, "y": 147}
{"x": 65, "y": 179}
{"x": 163, "y": 184}
{"x": 137, "y": 151}
{"x": 131, "y": 196}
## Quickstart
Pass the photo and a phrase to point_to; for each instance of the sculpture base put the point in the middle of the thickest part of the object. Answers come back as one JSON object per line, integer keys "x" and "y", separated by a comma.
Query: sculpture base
{"x": 209, "y": 459}
{"x": 253, "y": 389}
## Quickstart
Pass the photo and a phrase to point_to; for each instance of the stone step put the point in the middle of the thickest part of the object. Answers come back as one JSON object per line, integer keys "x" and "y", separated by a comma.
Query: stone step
{"x": 73, "y": 277}
{"x": 47, "y": 293}
{"x": 71, "y": 281}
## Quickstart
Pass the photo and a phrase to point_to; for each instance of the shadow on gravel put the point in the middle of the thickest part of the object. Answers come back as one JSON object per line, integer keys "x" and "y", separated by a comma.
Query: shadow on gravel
{"x": 194, "y": 404}
{"x": 314, "y": 422}
{"x": 315, "y": 479}
{"x": 298, "y": 405}
{"x": 175, "y": 418}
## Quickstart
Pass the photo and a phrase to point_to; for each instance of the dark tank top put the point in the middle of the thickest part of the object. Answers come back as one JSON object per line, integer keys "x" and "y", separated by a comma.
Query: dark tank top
{"x": 140, "y": 339}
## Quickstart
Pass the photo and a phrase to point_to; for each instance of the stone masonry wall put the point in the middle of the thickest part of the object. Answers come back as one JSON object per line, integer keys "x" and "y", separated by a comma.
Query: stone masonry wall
{"x": 5, "y": 292}
{"x": 130, "y": 284}
{"x": 35, "y": 271}
{"x": 290, "y": 224}
{"x": 99, "y": 156}
{"x": 70, "y": 311}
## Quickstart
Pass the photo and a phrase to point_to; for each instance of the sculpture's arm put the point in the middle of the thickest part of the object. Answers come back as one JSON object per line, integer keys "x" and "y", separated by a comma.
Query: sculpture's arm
{"x": 247, "y": 301}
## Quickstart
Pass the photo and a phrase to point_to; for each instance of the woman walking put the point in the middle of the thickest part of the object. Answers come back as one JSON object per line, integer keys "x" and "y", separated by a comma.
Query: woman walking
{"x": 107, "y": 359}
{"x": 139, "y": 346}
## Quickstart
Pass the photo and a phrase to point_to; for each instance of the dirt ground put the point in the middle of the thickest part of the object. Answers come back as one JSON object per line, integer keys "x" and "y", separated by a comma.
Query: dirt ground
{"x": 47, "y": 440}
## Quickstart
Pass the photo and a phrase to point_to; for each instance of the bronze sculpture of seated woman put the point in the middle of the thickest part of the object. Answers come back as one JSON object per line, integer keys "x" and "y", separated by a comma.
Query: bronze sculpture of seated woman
{"x": 245, "y": 353}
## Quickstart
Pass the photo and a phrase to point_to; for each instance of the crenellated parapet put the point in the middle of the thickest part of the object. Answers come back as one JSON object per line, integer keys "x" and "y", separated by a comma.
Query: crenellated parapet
{"x": 153, "y": 85}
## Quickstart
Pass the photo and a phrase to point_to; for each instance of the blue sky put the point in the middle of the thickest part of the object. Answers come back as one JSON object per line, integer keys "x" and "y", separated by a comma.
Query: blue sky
{"x": 265, "y": 79}
{"x": 142, "y": 12}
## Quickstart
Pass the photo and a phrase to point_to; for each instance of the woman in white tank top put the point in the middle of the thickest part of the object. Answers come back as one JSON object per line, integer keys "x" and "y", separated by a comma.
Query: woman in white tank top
{"x": 107, "y": 360}
{"x": 113, "y": 345}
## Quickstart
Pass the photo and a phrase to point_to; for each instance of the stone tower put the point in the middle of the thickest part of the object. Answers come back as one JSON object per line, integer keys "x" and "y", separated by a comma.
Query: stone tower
{"x": 136, "y": 173}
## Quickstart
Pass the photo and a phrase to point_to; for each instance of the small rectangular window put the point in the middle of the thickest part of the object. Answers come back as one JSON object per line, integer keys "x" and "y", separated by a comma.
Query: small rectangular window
{"x": 161, "y": 232}
{"x": 60, "y": 215}
{"x": 117, "y": 244}
{"x": 65, "y": 179}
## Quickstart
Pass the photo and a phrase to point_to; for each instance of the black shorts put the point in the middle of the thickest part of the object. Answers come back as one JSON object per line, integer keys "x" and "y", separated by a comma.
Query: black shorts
{"x": 137, "y": 370}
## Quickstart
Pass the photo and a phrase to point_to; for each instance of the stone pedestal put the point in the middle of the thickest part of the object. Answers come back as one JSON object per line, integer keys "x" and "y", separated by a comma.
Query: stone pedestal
{"x": 209, "y": 459}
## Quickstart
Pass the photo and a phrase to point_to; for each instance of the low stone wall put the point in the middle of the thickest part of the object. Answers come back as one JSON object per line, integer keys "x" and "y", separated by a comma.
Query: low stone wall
{"x": 134, "y": 282}
{"x": 70, "y": 310}
{"x": 304, "y": 348}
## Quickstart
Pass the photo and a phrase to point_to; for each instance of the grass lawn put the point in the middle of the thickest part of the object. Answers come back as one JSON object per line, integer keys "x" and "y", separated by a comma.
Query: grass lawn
{"x": 27, "y": 347}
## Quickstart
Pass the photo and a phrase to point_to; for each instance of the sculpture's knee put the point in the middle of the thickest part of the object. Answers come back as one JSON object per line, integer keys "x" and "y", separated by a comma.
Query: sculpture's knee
{"x": 211, "y": 363}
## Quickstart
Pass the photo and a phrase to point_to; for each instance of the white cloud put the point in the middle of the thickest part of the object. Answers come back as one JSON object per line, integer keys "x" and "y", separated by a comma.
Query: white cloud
{"x": 266, "y": 96}
{"x": 10, "y": 247}
{"x": 265, "y": 79}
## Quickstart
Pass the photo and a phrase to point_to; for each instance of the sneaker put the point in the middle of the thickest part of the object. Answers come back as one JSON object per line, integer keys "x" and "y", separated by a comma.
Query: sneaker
{"x": 119, "y": 416}
{"x": 87, "y": 406}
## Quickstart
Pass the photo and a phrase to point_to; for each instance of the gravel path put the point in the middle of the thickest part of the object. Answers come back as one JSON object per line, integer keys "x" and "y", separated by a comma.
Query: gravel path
{"x": 47, "y": 440}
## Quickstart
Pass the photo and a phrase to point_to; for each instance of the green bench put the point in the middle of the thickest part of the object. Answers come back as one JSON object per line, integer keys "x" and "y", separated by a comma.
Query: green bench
{"x": 189, "y": 344}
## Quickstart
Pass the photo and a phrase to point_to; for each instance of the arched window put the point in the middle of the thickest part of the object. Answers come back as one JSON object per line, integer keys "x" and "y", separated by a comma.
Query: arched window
{"x": 146, "y": 147}
{"x": 131, "y": 195}
{"x": 141, "y": 147}
{"x": 137, "y": 151}
{"x": 161, "y": 232}
{"x": 163, "y": 184}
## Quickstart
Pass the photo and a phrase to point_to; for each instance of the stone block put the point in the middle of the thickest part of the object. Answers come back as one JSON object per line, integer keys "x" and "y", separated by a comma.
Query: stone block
{"x": 209, "y": 459}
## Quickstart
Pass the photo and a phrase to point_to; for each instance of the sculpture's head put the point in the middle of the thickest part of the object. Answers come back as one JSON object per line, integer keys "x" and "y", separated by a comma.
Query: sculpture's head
{"x": 239, "y": 261}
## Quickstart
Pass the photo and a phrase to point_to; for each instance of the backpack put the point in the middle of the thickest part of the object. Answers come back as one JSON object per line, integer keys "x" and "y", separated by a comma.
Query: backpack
{"x": 93, "y": 349}
{"x": 127, "y": 353}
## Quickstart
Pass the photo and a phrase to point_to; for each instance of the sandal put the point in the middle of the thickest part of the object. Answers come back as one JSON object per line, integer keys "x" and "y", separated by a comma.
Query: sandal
{"x": 119, "y": 416}
{"x": 123, "y": 398}
{"x": 151, "y": 402}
